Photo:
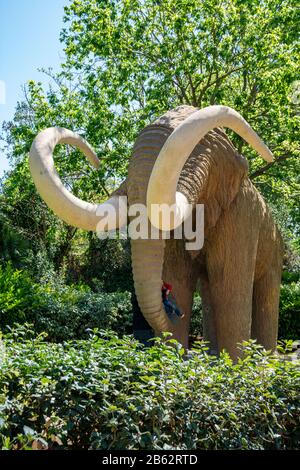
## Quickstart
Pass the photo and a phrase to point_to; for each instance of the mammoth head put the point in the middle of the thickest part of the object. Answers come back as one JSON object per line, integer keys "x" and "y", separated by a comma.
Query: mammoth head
{"x": 179, "y": 147}
{"x": 160, "y": 160}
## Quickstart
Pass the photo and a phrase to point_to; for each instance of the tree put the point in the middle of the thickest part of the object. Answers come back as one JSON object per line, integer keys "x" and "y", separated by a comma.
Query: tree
{"x": 128, "y": 61}
{"x": 150, "y": 56}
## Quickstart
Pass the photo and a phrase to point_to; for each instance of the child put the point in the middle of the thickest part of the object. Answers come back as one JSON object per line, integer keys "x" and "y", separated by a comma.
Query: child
{"x": 171, "y": 308}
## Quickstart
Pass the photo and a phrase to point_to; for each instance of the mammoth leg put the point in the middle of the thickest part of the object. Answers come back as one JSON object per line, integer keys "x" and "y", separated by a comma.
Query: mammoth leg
{"x": 230, "y": 259}
{"x": 266, "y": 308}
{"x": 232, "y": 316}
{"x": 231, "y": 287}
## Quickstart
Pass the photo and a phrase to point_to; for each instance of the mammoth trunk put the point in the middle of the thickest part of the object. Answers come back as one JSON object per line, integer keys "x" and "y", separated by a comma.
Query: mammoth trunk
{"x": 147, "y": 263}
{"x": 147, "y": 255}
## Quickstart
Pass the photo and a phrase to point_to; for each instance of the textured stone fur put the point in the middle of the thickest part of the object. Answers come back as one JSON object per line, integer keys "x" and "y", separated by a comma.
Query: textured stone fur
{"x": 239, "y": 267}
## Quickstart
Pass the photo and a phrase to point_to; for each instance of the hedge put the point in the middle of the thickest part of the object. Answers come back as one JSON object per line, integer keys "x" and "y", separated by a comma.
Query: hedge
{"x": 111, "y": 393}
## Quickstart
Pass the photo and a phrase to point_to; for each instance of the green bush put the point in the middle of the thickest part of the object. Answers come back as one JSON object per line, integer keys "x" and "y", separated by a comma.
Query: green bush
{"x": 289, "y": 316}
{"x": 62, "y": 311}
{"x": 110, "y": 393}
{"x": 197, "y": 316}
{"x": 67, "y": 312}
{"x": 16, "y": 295}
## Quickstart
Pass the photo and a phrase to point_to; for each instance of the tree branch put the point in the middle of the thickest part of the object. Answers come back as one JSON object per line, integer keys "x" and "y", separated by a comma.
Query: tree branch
{"x": 215, "y": 82}
{"x": 265, "y": 168}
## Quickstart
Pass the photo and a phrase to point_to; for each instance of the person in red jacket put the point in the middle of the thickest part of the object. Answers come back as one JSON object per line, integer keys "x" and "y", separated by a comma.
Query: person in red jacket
{"x": 171, "y": 308}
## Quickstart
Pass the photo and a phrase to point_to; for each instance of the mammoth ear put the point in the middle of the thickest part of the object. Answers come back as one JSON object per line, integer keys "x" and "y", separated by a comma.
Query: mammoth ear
{"x": 227, "y": 170}
{"x": 231, "y": 180}
{"x": 212, "y": 212}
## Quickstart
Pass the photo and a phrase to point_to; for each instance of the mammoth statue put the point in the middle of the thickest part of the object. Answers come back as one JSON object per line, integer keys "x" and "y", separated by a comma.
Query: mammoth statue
{"x": 185, "y": 158}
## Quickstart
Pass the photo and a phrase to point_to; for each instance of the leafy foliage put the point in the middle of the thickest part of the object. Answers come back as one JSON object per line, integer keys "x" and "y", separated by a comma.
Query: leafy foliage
{"x": 16, "y": 293}
{"x": 62, "y": 311}
{"x": 127, "y": 62}
{"x": 68, "y": 312}
{"x": 107, "y": 393}
{"x": 111, "y": 267}
{"x": 289, "y": 316}
{"x": 150, "y": 57}
{"x": 196, "y": 327}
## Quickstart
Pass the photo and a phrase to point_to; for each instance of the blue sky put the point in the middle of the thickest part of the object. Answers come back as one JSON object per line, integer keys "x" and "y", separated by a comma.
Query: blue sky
{"x": 29, "y": 39}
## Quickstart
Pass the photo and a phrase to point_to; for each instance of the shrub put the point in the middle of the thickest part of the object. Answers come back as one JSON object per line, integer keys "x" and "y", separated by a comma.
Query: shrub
{"x": 16, "y": 295}
{"x": 67, "y": 312}
{"x": 108, "y": 263}
{"x": 64, "y": 312}
{"x": 289, "y": 316}
{"x": 110, "y": 393}
{"x": 197, "y": 317}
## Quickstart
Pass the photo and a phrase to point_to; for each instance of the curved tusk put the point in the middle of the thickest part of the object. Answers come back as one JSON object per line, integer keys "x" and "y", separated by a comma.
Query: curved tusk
{"x": 68, "y": 207}
{"x": 177, "y": 149}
